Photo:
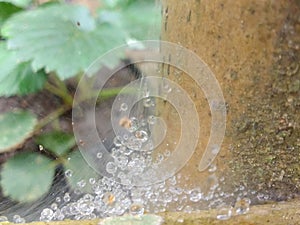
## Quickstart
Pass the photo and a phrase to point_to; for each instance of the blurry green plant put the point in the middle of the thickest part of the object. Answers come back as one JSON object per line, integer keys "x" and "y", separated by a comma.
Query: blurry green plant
{"x": 41, "y": 46}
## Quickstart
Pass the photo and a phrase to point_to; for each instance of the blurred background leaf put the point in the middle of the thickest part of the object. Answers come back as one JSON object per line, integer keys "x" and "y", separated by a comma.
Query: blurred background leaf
{"x": 60, "y": 38}
{"x": 15, "y": 128}
{"x": 27, "y": 176}
{"x": 6, "y": 10}
{"x": 18, "y": 79}
{"x": 137, "y": 19}
{"x": 19, "y": 3}
{"x": 56, "y": 142}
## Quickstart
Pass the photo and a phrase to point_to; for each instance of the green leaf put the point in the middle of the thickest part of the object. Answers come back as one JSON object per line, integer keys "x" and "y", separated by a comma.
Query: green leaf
{"x": 139, "y": 19}
{"x": 78, "y": 170}
{"x": 15, "y": 128}
{"x": 27, "y": 176}
{"x": 17, "y": 78}
{"x": 6, "y": 10}
{"x": 57, "y": 142}
{"x": 20, "y": 3}
{"x": 133, "y": 220}
{"x": 60, "y": 38}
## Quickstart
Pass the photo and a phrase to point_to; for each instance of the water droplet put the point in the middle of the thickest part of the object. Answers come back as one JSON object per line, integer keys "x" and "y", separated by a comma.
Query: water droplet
{"x": 18, "y": 219}
{"x": 46, "y": 215}
{"x": 146, "y": 93}
{"x": 99, "y": 155}
{"x": 188, "y": 209}
{"x": 195, "y": 195}
{"x": 41, "y": 147}
{"x": 151, "y": 120}
{"x": 167, "y": 197}
{"x": 81, "y": 183}
{"x": 111, "y": 167}
{"x": 58, "y": 199}
{"x": 136, "y": 209}
{"x": 109, "y": 198}
{"x": 125, "y": 137}
{"x": 58, "y": 215}
{"x": 147, "y": 102}
{"x": 134, "y": 144}
{"x": 167, "y": 88}
{"x": 54, "y": 206}
{"x": 121, "y": 162}
{"x": 69, "y": 173}
{"x": 67, "y": 197}
{"x": 134, "y": 124}
{"x": 212, "y": 168}
{"x": 117, "y": 141}
{"x": 141, "y": 135}
{"x": 159, "y": 158}
{"x": 3, "y": 219}
{"x": 92, "y": 180}
{"x": 242, "y": 205}
{"x": 224, "y": 213}
{"x": 123, "y": 107}
{"x": 167, "y": 153}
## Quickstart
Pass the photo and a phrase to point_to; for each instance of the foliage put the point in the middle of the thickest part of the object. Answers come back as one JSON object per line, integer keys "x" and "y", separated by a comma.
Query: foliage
{"x": 6, "y": 10}
{"x": 19, "y": 3}
{"x": 40, "y": 47}
{"x": 57, "y": 142}
{"x": 57, "y": 37}
{"x": 18, "y": 79}
{"x": 27, "y": 176}
{"x": 129, "y": 19}
{"x": 15, "y": 128}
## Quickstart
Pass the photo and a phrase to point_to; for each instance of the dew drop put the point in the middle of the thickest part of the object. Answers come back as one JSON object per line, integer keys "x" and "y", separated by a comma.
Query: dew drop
{"x": 134, "y": 124}
{"x": 18, "y": 219}
{"x": 134, "y": 144}
{"x": 136, "y": 209}
{"x": 224, "y": 213}
{"x": 141, "y": 135}
{"x": 212, "y": 168}
{"x": 111, "y": 167}
{"x": 123, "y": 107}
{"x": 117, "y": 141}
{"x": 81, "y": 183}
{"x": 67, "y": 197}
{"x": 147, "y": 102}
{"x": 69, "y": 173}
{"x": 195, "y": 195}
{"x": 151, "y": 120}
{"x": 242, "y": 205}
{"x": 109, "y": 198}
{"x": 3, "y": 219}
{"x": 46, "y": 215}
{"x": 54, "y": 206}
{"x": 99, "y": 155}
{"x": 167, "y": 88}
{"x": 92, "y": 180}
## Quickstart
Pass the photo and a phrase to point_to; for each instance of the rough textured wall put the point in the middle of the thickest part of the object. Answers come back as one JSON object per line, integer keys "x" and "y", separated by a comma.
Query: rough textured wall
{"x": 253, "y": 49}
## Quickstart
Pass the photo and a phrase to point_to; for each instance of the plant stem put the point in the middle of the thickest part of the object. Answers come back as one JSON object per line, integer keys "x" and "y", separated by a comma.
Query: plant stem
{"x": 52, "y": 116}
{"x": 103, "y": 95}
{"x": 67, "y": 98}
{"x": 61, "y": 85}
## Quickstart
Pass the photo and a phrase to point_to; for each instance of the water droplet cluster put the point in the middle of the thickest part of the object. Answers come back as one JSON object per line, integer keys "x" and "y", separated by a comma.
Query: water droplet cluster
{"x": 132, "y": 155}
